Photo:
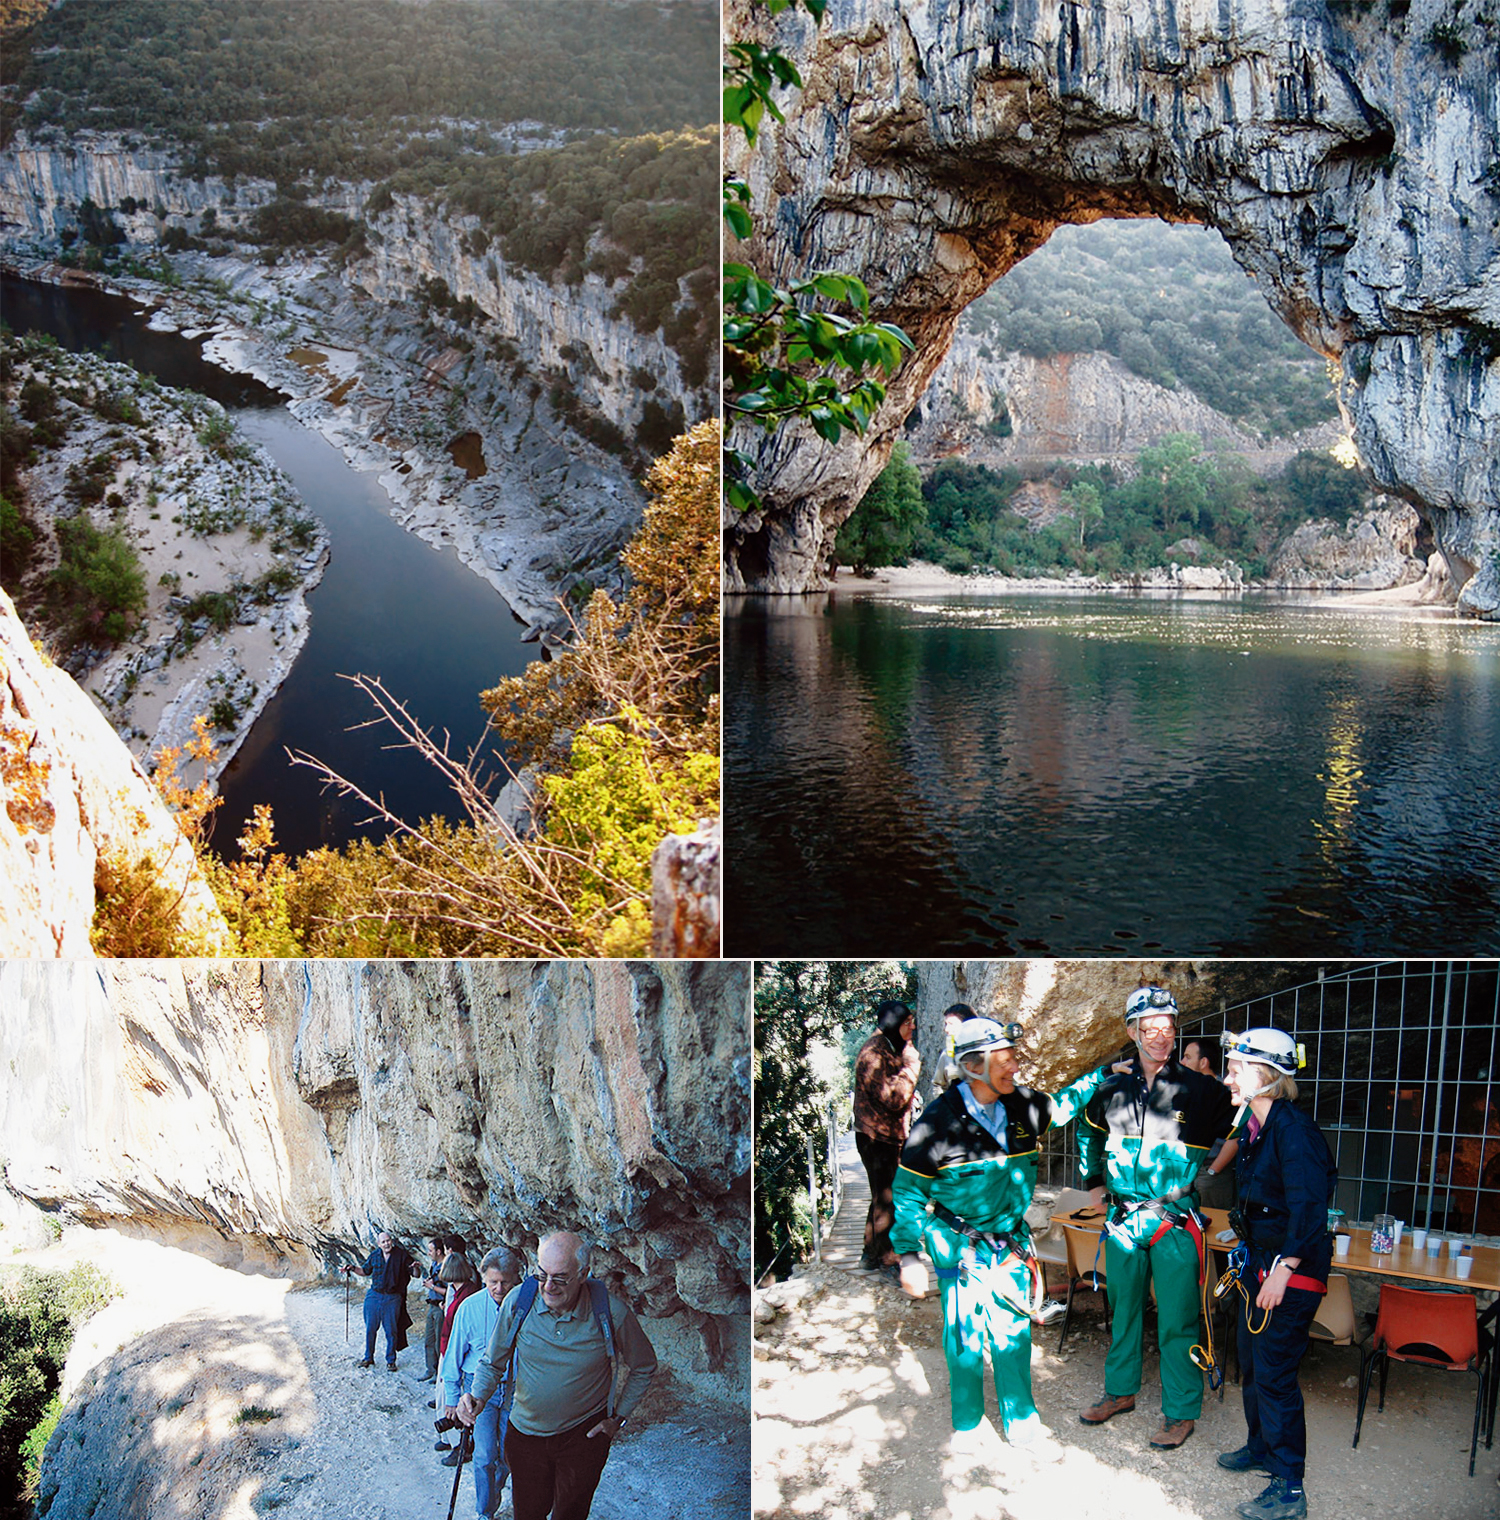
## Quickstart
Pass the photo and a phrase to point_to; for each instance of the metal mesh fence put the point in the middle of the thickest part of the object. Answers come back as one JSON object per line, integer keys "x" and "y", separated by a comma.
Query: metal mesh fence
{"x": 1401, "y": 1076}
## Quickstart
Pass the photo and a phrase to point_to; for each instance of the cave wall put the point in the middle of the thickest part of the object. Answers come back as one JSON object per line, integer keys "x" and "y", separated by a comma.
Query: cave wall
{"x": 1349, "y": 163}
{"x": 275, "y": 1115}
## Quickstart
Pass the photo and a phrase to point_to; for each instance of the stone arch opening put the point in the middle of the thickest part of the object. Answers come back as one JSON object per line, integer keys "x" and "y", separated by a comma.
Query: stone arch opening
{"x": 1348, "y": 167}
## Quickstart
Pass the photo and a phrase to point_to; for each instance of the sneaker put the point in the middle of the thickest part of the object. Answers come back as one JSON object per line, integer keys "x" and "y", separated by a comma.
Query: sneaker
{"x": 1172, "y": 1434}
{"x": 1107, "y": 1408}
{"x": 1053, "y": 1309}
{"x": 1243, "y": 1460}
{"x": 1281, "y": 1500}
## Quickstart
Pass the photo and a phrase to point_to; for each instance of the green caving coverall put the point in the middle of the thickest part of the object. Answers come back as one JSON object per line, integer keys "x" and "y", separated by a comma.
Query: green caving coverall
{"x": 1144, "y": 1147}
{"x": 952, "y": 1161}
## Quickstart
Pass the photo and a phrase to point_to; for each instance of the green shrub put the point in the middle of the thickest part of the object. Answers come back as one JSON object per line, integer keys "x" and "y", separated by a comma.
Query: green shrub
{"x": 98, "y": 587}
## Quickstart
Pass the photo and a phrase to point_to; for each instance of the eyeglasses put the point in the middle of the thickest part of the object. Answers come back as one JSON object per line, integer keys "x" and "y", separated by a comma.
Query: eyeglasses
{"x": 555, "y": 1279}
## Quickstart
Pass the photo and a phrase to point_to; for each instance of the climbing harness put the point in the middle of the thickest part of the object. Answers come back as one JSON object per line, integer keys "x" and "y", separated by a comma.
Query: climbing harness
{"x": 1000, "y": 1247}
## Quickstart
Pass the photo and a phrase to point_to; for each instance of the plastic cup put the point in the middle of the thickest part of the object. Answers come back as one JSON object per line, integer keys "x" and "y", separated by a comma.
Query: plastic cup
{"x": 1418, "y": 1239}
{"x": 1340, "y": 1245}
{"x": 1434, "y": 1245}
{"x": 1465, "y": 1265}
{"x": 1457, "y": 1246}
{"x": 1400, "y": 1228}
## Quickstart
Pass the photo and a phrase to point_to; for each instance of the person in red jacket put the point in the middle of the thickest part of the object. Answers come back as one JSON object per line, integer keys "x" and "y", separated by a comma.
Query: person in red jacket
{"x": 885, "y": 1093}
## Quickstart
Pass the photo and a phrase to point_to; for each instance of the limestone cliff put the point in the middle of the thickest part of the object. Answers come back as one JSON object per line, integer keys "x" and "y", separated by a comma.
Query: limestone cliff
{"x": 553, "y": 327}
{"x": 275, "y": 1115}
{"x": 73, "y": 795}
{"x": 1347, "y": 158}
{"x": 1070, "y": 406}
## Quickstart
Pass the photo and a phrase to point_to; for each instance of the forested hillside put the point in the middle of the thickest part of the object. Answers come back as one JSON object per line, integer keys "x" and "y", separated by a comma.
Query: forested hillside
{"x": 1172, "y": 304}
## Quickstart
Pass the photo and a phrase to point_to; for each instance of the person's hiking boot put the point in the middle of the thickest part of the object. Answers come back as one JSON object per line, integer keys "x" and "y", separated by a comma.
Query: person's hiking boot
{"x": 1172, "y": 1434}
{"x": 1107, "y": 1408}
{"x": 451, "y": 1460}
{"x": 1244, "y": 1460}
{"x": 368, "y": 1362}
{"x": 390, "y": 1366}
{"x": 1281, "y": 1500}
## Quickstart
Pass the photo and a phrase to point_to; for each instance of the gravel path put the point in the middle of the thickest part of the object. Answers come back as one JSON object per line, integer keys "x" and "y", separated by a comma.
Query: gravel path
{"x": 851, "y": 1400}
{"x": 160, "y": 1383}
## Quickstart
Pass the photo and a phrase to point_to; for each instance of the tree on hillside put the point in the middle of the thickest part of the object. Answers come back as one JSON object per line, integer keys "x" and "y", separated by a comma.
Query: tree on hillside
{"x": 883, "y": 527}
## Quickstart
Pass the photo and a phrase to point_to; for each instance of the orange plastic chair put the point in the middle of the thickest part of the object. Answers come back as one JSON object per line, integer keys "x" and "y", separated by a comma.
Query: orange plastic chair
{"x": 1443, "y": 1330}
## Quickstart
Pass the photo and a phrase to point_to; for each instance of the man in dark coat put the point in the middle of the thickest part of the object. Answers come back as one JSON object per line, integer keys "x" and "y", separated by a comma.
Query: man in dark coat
{"x": 885, "y": 1092}
{"x": 389, "y": 1268}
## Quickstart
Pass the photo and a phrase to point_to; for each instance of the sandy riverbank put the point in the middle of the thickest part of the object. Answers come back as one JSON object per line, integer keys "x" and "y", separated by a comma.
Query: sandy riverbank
{"x": 1432, "y": 593}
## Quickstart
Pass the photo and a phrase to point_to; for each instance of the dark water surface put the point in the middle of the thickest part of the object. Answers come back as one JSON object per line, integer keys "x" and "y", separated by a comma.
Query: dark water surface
{"x": 1108, "y": 775}
{"x": 389, "y": 605}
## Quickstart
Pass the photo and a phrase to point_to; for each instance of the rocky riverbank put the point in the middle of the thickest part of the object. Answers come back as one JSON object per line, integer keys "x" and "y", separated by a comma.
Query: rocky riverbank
{"x": 225, "y": 550}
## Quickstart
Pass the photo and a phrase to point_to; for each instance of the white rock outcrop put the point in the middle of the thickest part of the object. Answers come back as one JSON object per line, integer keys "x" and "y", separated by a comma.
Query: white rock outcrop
{"x": 1348, "y": 162}
{"x": 73, "y": 794}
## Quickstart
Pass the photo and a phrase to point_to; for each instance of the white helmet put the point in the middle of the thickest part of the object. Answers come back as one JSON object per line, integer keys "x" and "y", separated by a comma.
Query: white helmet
{"x": 1148, "y": 1000}
{"x": 1263, "y": 1047}
{"x": 976, "y": 1035}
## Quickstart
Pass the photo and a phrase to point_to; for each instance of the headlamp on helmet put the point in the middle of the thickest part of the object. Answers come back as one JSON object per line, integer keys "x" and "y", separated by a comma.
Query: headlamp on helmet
{"x": 1264, "y": 1047}
{"x": 974, "y": 1036}
{"x": 1147, "y": 1000}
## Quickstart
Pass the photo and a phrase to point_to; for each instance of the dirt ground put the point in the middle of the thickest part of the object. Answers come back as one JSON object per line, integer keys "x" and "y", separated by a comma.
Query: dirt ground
{"x": 851, "y": 1419}
{"x": 159, "y": 1383}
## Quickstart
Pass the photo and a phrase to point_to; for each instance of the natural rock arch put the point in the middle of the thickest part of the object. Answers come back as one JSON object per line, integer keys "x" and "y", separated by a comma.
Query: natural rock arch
{"x": 1351, "y": 163}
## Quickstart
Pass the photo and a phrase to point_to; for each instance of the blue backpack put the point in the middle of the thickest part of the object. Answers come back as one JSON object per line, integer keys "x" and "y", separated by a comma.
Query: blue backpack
{"x": 598, "y": 1301}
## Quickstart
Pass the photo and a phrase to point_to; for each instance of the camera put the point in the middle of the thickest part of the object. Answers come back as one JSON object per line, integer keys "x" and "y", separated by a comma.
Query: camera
{"x": 444, "y": 1425}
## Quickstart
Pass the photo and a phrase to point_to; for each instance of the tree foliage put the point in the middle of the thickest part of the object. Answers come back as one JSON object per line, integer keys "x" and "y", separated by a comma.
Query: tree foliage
{"x": 1172, "y": 304}
{"x": 39, "y": 1314}
{"x": 883, "y": 527}
{"x": 802, "y": 1010}
{"x": 1107, "y": 521}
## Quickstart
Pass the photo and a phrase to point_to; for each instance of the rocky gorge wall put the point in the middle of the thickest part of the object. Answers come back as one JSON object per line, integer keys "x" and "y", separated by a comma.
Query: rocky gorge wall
{"x": 1088, "y": 406}
{"x": 274, "y": 1115}
{"x": 554, "y": 327}
{"x": 1348, "y": 160}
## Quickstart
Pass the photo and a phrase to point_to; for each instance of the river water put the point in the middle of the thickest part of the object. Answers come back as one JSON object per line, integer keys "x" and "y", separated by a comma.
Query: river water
{"x": 388, "y": 605}
{"x": 1109, "y": 775}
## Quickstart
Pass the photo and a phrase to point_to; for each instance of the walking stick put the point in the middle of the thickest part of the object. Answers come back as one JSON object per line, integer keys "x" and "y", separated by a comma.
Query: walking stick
{"x": 346, "y": 1306}
{"x": 465, "y": 1438}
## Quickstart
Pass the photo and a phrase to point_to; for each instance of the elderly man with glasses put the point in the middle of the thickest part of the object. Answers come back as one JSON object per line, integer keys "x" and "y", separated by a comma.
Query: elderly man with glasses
{"x": 558, "y": 1345}
{"x": 1142, "y": 1139}
{"x": 473, "y": 1326}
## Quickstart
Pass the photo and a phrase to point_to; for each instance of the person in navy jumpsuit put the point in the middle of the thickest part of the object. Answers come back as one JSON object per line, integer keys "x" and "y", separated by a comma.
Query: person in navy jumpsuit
{"x": 1286, "y": 1181}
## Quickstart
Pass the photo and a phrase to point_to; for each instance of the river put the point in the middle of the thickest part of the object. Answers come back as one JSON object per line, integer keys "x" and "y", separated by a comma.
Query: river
{"x": 389, "y": 605}
{"x": 1109, "y": 775}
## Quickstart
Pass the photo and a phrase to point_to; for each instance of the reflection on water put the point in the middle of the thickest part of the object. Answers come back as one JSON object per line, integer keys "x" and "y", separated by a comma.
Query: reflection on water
{"x": 1086, "y": 776}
